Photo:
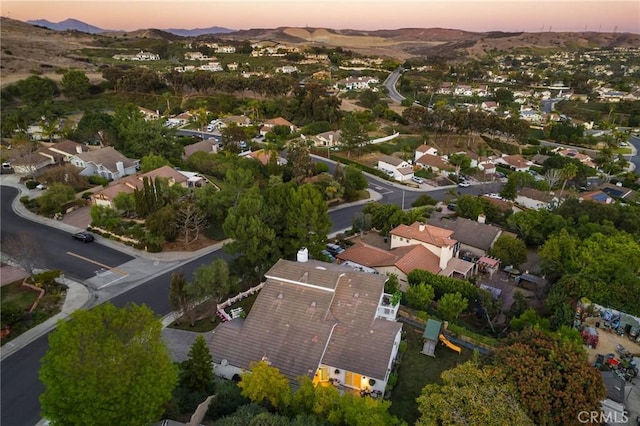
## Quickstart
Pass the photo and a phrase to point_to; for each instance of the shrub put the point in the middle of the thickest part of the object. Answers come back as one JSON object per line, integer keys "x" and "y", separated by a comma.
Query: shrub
{"x": 403, "y": 346}
{"x": 424, "y": 200}
{"x": 393, "y": 379}
{"x": 87, "y": 195}
{"x": 31, "y": 184}
{"x": 25, "y": 199}
{"x": 98, "y": 180}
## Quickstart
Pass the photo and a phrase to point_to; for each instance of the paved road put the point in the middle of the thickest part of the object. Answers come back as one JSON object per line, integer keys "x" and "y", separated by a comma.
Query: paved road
{"x": 390, "y": 84}
{"x": 54, "y": 245}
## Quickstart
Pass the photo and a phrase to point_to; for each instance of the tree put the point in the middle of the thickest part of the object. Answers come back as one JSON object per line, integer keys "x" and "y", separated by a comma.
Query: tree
{"x": 23, "y": 248}
{"x": 36, "y": 90}
{"x": 55, "y": 197}
{"x": 420, "y": 296}
{"x": 125, "y": 202}
{"x": 265, "y": 384}
{"x": 470, "y": 395}
{"x": 552, "y": 176}
{"x": 75, "y": 84}
{"x": 152, "y": 162}
{"x": 150, "y": 198}
{"x": 568, "y": 172}
{"x": 107, "y": 348}
{"x": 232, "y": 137}
{"x": 353, "y": 135}
{"x": 552, "y": 378}
{"x": 190, "y": 221}
{"x": 162, "y": 223}
{"x": 361, "y": 222}
{"x": 180, "y": 299}
{"x": 451, "y": 305}
{"x": 197, "y": 370}
{"x": 510, "y": 250}
{"x": 211, "y": 281}
{"x": 529, "y": 319}
{"x": 299, "y": 161}
{"x": 353, "y": 182}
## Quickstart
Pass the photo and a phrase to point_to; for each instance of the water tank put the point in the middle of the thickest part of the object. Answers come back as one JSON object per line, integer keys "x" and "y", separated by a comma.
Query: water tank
{"x": 303, "y": 255}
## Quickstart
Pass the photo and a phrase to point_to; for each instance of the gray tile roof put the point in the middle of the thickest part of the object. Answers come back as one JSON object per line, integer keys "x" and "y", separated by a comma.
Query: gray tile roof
{"x": 107, "y": 157}
{"x": 469, "y": 232}
{"x": 304, "y": 308}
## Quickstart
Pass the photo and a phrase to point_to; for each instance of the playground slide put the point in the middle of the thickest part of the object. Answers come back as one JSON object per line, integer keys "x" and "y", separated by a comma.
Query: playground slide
{"x": 450, "y": 345}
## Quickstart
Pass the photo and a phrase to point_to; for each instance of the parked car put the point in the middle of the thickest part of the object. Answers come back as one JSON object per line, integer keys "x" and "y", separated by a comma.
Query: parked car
{"x": 334, "y": 249}
{"x": 85, "y": 237}
{"x": 464, "y": 184}
{"x": 417, "y": 180}
{"x": 41, "y": 186}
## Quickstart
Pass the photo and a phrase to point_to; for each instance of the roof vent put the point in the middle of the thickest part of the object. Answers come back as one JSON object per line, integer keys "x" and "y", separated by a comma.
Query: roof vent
{"x": 313, "y": 304}
{"x": 356, "y": 295}
{"x": 280, "y": 296}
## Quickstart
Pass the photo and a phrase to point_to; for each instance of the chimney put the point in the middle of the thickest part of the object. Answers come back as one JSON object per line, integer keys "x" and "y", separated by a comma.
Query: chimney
{"x": 303, "y": 255}
{"x": 482, "y": 218}
{"x": 421, "y": 226}
{"x": 120, "y": 167}
{"x": 79, "y": 149}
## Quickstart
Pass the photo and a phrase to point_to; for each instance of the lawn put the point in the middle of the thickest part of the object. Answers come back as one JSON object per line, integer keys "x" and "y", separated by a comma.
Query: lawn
{"x": 416, "y": 370}
{"x": 16, "y": 302}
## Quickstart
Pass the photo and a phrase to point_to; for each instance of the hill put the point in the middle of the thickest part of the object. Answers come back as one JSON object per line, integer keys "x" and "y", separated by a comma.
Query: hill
{"x": 67, "y": 24}
{"x": 198, "y": 31}
{"x": 404, "y": 43}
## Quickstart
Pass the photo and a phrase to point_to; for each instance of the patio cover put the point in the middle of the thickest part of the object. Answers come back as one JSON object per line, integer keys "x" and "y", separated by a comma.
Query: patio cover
{"x": 489, "y": 261}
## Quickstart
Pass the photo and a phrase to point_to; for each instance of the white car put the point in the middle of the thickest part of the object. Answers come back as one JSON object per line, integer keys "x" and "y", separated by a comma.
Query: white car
{"x": 464, "y": 184}
{"x": 418, "y": 180}
{"x": 41, "y": 186}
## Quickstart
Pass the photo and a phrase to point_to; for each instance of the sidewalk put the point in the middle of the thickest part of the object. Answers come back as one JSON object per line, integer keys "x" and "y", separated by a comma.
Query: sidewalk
{"x": 77, "y": 297}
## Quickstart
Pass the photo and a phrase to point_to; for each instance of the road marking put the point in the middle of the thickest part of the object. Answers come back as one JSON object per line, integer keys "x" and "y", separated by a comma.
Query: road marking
{"x": 107, "y": 267}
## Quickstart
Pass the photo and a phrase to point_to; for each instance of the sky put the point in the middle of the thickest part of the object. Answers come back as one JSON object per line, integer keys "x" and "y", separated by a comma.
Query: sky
{"x": 469, "y": 15}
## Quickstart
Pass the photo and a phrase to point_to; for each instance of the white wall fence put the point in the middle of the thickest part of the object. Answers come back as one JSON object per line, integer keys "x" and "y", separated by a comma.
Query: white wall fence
{"x": 220, "y": 308}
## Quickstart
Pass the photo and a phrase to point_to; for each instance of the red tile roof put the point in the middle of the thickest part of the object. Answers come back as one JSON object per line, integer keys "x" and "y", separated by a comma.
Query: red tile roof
{"x": 429, "y": 234}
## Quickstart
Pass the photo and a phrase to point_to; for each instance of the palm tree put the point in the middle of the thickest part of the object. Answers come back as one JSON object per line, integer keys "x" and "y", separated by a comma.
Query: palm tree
{"x": 568, "y": 172}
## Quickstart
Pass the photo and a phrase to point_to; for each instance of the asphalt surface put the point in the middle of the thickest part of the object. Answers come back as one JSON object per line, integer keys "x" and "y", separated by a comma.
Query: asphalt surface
{"x": 54, "y": 245}
{"x": 390, "y": 84}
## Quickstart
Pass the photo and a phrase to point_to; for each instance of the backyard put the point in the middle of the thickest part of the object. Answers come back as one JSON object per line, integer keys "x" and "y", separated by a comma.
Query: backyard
{"x": 416, "y": 370}
{"x": 205, "y": 313}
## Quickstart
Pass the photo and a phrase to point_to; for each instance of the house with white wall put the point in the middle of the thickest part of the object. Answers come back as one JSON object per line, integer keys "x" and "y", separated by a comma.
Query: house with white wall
{"x": 105, "y": 162}
{"x": 326, "y": 139}
{"x": 395, "y": 167}
{"x": 314, "y": 319}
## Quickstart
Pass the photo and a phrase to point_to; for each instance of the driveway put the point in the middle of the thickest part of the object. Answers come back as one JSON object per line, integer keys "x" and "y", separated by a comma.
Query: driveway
{"x": 80, "y": 218}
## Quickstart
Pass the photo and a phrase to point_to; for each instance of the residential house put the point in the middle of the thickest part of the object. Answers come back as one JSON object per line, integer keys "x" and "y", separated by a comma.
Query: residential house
{"x": 179, "y": 119}
{"x": 399, "y": 261}
{"x": 398, "y": 168}
{"x": 534, "y": 199}
{"x": 129, "y": 184}
{"x": 596, "y": 196}
{"x": 515, "y": 162}
{"x": 445, "y": 88}
{"x": 140, "y": 56}
{"x": 438, "y": 241}
{"x": 30, "y": 163}
{"x": 105, "y": 162}
{"x": 617, "y": 191}
{"x": 327, "y": 139}
{"x": 233, "y": 66}
{"x": 574, "y": 153}
{"x": 317, "y": 320}
{"x": 62, "y": 152}
{"x": 265, "y": 156}
{"x": 424, "y": 150}
{"x": 490, "y": 106}
{"x": 226, "y": 49}
{"x": 211, "y": 66}
{"x": 287, "y": 69}
{"x": 211, "y": 145}
{"x": 530, "y": 115}
{"x": 238, "y": 120}
{"x": 148, "y": 114}
{"x": 488, "y": 167}
{"x": 268, "y": 125}
{"x": 196, "y": 56}
{"x": 356, "y": 83}
{"x": 475, "y": 238}
{"x": 435, "y": 163}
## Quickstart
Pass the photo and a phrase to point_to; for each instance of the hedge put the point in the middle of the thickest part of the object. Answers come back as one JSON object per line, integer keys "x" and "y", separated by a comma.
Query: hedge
{"x": 443, "y": 285}
{"x": 362, "y": 167}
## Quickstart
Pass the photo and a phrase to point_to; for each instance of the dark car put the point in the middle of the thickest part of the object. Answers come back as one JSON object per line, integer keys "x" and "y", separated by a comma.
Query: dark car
{"x": 85, "y": 237}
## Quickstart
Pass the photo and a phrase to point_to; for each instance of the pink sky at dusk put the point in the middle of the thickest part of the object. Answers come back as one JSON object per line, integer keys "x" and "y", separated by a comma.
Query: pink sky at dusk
{"x": 471, "y": 15}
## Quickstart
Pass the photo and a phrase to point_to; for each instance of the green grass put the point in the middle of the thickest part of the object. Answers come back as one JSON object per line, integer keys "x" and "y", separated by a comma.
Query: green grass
{"x": 16, "y": 293}
{"x": 417, "y": 370}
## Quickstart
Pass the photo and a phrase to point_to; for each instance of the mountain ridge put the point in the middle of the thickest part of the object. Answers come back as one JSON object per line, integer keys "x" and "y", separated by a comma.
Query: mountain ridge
{"x": 77, "y": 25}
